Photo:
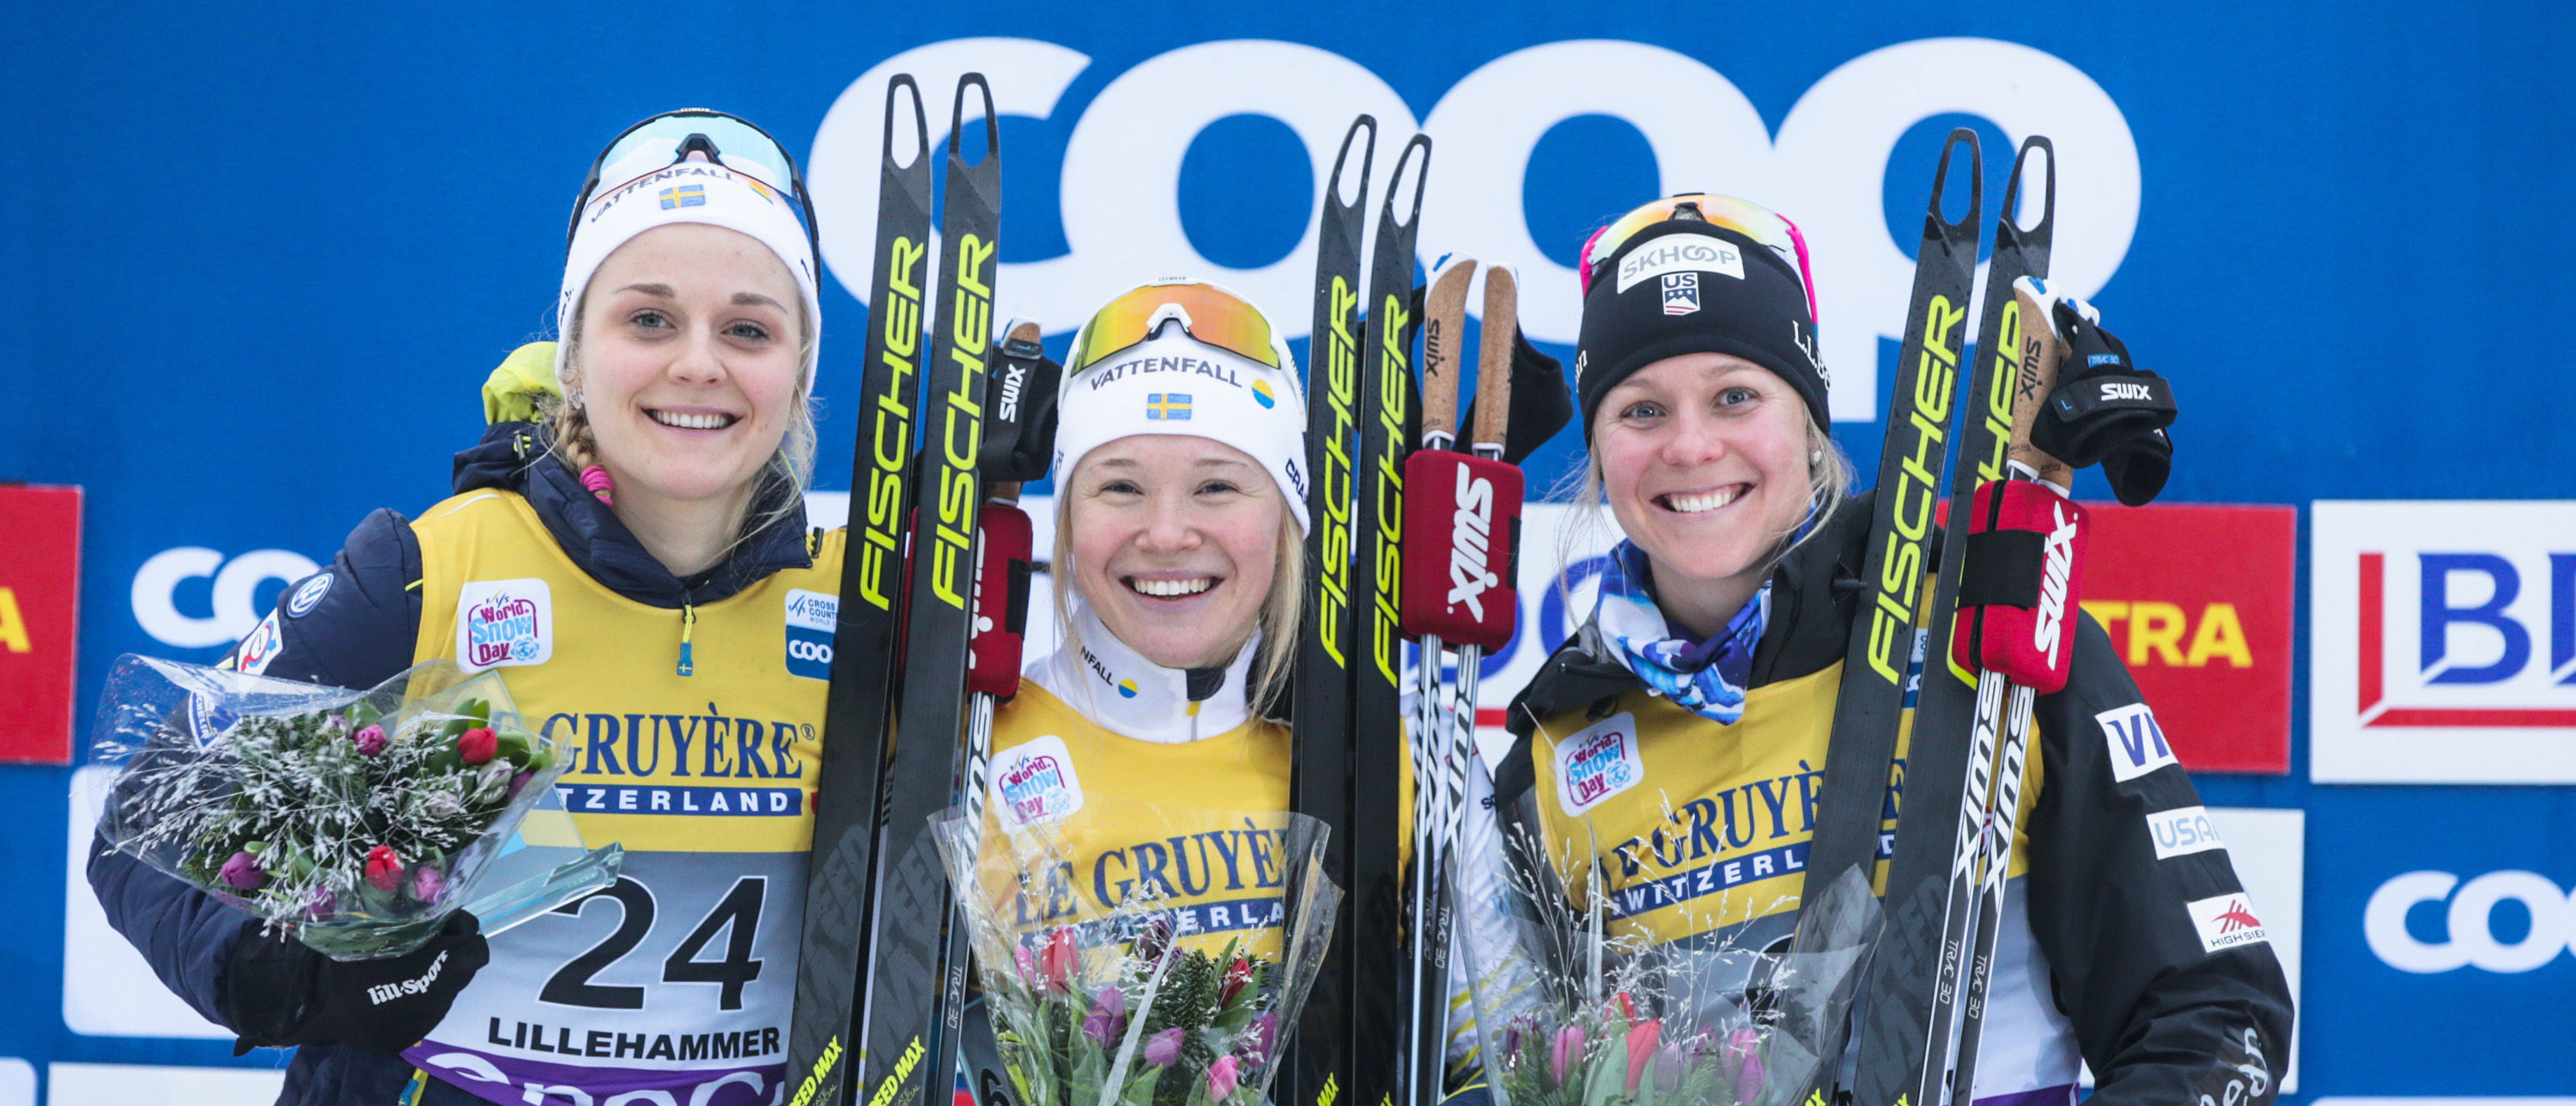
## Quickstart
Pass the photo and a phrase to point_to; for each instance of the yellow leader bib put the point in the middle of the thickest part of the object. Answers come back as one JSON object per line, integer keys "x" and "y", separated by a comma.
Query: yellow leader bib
{"x": 679, "y": 980}
{"x": 1190, "y": 826}
{"x": 1698, "y": 827}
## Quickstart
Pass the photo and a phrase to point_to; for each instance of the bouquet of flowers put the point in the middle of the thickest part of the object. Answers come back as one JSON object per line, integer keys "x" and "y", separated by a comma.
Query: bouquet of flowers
{"x": 1576, "y": 1006}
{"x": 1168, "y": 972}
{"x": 359, "y": 819}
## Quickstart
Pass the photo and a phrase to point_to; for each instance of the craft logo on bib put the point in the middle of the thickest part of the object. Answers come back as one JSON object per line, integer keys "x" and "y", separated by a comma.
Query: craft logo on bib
{"x": 811, "y": 616}
{"x": 1034, "y": 782}
{"x": 2226, "y": 922}
{"x": 261, "y": 647}
{"x": 1676, "y": 253}
{"x": 504, "y": 622}
{"x": 1598, "y": 763}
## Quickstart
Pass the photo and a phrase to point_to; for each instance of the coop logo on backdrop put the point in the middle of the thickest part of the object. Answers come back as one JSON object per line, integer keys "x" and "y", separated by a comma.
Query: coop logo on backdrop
{"x": 504, "y": 622}
{"x": 1119, "y": 186}
{"x": 2463, "y": 932}
{"x": 231, "y": 608}
{"x": 2445, "y": 642}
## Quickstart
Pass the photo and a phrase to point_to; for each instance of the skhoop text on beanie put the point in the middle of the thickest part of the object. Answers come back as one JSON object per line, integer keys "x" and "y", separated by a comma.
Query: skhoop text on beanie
{"x": 1687, "y": 285}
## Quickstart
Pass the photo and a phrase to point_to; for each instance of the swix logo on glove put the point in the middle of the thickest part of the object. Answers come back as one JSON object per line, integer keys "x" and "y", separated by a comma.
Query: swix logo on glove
{"x": 1461, "y": 589}
{"x": 2112, "y": 390}
{"x": 383, "y": 993}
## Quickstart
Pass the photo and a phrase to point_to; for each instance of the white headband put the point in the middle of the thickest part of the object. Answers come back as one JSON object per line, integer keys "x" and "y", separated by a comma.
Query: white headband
{"x": 1176, "y": 384}
{"x": 693, "y": 191}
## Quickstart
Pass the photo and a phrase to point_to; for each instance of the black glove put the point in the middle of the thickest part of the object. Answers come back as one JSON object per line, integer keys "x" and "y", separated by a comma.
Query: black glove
{"x": 2106, "y": 410}
{"x": 279, "y": 992}
{"x": 1541, "y": 403}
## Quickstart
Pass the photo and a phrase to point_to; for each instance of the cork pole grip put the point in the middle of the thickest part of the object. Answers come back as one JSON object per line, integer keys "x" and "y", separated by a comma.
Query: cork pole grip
{"x": 1494, "y": 357}
{"x": 2036, "y": 363}
{"x": 1444, "y": 327}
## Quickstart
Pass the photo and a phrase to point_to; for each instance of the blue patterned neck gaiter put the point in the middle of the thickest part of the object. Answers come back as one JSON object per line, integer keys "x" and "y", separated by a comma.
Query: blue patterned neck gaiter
{"x": 1705, "y": 677}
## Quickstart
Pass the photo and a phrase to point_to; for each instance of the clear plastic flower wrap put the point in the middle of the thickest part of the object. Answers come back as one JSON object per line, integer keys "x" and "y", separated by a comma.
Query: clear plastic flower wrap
{"x": 1139, "y": 955}
{"x": 1587, "y": 995}
{"x": 358, "y": 820}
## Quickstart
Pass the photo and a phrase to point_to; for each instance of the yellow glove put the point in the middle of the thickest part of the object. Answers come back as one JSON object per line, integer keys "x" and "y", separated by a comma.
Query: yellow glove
{"x": 525, "y": 378}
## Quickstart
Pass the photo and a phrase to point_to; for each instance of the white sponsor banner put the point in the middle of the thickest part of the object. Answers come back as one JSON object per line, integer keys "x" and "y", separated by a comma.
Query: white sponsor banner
{"x": 1825, "y": 166}
{"x": 108, "y": 990}
{"x": 121, "y": 1084}
{"x": 2443, "y": 642}
{"x": 2269, "y": 849}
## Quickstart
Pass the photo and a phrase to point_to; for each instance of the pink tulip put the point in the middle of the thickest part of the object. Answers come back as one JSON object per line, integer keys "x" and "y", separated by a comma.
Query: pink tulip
{"x": 1565, "y": 1052}
{"x": 427, "y": 884}
{"x": 370, "y": 739}
{"x": 384, "y": 868}
{"x": 1221, "y": 1077}
{"x": 1641, "y": 1047}
{"x": 1028, "y": 964}
{"x": 1668, "y": 1069}
{"x": 1259, "y": 1038}
{"x": 1163, "y": 1048}
{"x": 1107, "y": 1020}
{"x": 1056, "y": 962}
{"x": 1747, "y": 1044}
{"x": 243, "y": 873}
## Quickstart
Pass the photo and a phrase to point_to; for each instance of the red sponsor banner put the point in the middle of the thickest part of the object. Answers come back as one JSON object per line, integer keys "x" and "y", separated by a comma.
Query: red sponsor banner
{"x": 2198, "y": 602}
{"x": 39, "y": 621}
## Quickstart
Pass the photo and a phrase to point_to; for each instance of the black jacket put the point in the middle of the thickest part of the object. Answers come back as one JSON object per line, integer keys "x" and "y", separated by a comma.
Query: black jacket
{"x": 2159, "y": 1018}
{"x": 360, "y": 634}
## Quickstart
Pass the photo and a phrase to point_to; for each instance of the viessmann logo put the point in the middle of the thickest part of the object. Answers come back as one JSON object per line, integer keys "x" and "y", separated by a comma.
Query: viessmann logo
{"x": 2445, "y": 647}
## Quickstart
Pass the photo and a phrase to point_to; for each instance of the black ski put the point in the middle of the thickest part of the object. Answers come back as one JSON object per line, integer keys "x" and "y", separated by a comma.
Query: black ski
{"x": 1891, "y": 603}
{"x": 866, "y": 628}
{"x": 1950, "y": 761}
{"x": 916, "y": 962}
{"x": 2011, "y": 381}
{"x": 1386, "y": 398}
{"x": 1320, "y": 763}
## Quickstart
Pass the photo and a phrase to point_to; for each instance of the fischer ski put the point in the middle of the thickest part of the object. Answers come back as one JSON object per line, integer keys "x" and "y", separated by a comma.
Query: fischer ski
{"x": 1386, "y": 396}
{"x": 1868, "y": 708}
{"x": 1459, "y": 590}
{"x": 916, "y": 964}
{"x": 866, "y": 628}
{"x": 2012, "y": 378}
{"x": 1318, "y": 1071}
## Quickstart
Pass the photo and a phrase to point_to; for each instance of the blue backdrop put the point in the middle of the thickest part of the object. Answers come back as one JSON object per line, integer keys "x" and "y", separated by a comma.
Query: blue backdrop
{"x": 254, "y": 263}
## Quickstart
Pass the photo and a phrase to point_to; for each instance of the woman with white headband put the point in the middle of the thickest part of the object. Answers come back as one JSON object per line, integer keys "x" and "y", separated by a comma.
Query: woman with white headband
{"x": 641, "y": 491}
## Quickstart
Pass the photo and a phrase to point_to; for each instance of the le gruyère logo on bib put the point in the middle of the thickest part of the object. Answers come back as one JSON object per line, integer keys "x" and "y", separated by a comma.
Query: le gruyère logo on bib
{"x": 1681, "y": 253}
{"x": 501, "y": 622}
{"x": 1598, "y": 763}
{"x": 1035, "y": 782}
{"x": 811, "y": 617}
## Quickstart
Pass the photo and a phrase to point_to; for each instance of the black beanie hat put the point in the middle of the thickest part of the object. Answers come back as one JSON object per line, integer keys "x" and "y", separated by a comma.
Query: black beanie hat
{"x": 1689, "y": 286}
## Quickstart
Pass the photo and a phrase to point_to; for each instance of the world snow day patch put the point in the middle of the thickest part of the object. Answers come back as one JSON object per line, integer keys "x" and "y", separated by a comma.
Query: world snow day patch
{"x": 811, "y": 619}
{"x": 1597, "y": 763}
{"x": 504, "y": 622}
{"x": 1035, "y": 783}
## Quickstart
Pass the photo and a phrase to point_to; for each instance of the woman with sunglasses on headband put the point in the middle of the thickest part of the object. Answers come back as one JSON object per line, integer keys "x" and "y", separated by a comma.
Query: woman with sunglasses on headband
{"x": 1178, "y": 572}
{"x": 641, "y": 492}
{"x": 1673, "y": 747}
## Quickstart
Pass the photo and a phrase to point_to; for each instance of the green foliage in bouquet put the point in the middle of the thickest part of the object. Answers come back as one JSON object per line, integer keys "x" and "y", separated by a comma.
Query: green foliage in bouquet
{"x": 315, "y": 813}
{"x": 1205, "y": 1030}
{"x": 1615, "y": 1056}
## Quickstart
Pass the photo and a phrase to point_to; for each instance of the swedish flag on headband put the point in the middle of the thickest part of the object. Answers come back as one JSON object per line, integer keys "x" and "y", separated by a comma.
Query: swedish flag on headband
{"x": 1167, "y": 406}
{"x": 685, "y": 195}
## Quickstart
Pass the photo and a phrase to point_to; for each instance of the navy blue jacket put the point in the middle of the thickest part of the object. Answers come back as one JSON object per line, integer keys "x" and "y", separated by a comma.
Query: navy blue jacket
{"x": 360, "y": 633}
